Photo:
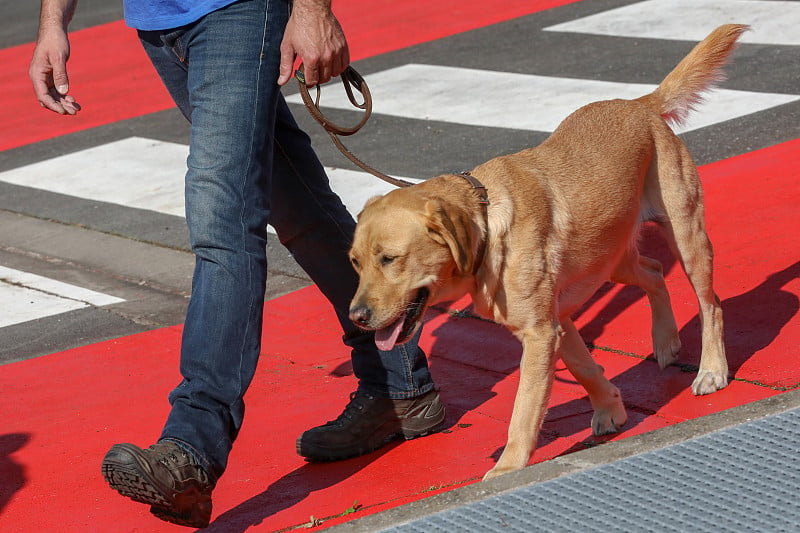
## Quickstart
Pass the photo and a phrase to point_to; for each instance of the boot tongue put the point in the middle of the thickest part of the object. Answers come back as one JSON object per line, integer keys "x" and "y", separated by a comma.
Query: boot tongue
{"x": 385, "y": 338}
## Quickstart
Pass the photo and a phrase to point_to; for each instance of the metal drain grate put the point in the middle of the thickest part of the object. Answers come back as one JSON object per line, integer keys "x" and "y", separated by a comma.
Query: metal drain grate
{"x": 744, "y": 478}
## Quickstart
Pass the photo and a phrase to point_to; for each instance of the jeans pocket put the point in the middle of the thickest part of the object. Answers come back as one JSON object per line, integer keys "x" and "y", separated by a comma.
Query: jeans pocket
{"x": 173, "y": 40}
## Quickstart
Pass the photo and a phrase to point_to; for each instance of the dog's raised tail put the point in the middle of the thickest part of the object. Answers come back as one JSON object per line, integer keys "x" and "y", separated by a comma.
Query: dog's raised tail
{"x": 682, "y": 89}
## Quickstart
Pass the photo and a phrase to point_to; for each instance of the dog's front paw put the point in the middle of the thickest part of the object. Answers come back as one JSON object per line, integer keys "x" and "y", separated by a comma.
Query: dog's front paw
{"x": 666, "y": 350}
{"x": 514, "y": 457}
{"x": 606, "y": 422}
{"x": 707, "y": 382}
{"x": 611, "y": 416}
{"x": 497, "y": 471}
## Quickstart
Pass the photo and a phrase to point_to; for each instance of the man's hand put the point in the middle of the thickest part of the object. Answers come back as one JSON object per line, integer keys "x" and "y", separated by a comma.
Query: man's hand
{"x": 48, "y": 73}
{"x": 314, "y": 35}
{"x": 48, "y": 70}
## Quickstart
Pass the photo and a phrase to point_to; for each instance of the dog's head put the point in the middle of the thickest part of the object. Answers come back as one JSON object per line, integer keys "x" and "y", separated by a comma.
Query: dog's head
{"x": 410, "y": 249}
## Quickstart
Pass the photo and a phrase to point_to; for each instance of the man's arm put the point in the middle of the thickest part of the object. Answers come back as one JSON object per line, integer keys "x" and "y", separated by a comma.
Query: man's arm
{"x": 314, "y": 35}
{"x": 48, "y": 69}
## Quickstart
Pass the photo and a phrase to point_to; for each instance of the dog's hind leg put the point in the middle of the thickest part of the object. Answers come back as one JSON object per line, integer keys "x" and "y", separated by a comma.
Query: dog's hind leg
{"x": 609, "y": 411}
{"x": 684, "y": 228}
{"x": 646, "y": 273}
{"x": 696, "y": 255}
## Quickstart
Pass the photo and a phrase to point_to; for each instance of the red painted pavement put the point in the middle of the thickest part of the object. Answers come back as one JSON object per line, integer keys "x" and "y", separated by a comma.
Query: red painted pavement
{"x": 62, "y": 412}
{"x": 112, "y": 79}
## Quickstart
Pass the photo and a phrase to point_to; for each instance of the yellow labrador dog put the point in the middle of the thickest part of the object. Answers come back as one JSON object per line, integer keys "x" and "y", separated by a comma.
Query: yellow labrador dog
{"x": 552, "y": 224}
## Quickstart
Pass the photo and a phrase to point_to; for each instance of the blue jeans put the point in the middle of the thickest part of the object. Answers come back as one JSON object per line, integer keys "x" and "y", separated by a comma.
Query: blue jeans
{"x": 249, "y": 165}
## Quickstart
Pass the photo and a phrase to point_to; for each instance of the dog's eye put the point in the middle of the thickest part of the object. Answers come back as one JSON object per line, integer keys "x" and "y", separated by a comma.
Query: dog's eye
{"x": 354, "y": 262}
{"x": 387, "y": 259}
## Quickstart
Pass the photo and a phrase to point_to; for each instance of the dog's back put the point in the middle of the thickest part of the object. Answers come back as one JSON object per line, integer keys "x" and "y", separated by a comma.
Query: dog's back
{"x": 620, "y": 151}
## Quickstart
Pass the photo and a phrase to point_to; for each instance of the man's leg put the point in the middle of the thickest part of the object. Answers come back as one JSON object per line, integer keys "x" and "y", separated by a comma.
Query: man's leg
{"x": 396, "y": 394}
{"x": 222, "y": 72}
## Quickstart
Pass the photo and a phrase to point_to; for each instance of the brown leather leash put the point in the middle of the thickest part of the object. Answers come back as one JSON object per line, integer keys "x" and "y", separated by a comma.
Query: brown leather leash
{"x": 351, "y": 80}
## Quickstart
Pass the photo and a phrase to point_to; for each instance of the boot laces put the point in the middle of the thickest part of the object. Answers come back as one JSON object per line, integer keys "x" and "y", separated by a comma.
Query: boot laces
{"x": 354, "y": 407}
{"x": 170, "y": 455}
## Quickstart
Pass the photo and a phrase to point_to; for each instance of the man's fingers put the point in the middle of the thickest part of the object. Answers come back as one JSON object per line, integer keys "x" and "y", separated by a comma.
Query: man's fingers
{"x": 54, "y": 101}
{"x": 287, "y": 63}
{"x": 70, "y": 105}
{"x": 53, "y": 105}
{"x": 46, "y": 100}
{"x": 311, "y": 73}
{"x": 340, "y": 63}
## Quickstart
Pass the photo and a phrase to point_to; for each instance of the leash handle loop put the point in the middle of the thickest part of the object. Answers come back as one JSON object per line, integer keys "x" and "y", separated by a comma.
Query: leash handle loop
{"x": 351, "y": 79}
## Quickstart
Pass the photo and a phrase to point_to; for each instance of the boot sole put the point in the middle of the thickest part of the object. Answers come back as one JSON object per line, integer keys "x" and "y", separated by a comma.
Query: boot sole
{"x": 133, "y": 482}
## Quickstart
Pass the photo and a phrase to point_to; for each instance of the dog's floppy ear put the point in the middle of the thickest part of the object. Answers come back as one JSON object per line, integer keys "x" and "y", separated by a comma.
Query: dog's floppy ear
{"x": 452, "y": 226}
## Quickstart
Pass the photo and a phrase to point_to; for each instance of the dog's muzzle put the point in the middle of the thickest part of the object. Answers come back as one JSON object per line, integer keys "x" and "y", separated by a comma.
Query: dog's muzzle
{"x": 401, "y": 329}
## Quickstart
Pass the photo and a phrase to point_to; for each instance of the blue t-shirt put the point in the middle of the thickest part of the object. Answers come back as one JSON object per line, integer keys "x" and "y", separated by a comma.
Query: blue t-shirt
{"x": 168, "y": 14}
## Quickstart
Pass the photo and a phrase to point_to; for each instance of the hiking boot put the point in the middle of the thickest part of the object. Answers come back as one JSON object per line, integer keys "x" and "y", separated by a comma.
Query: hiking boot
{"x": 369, "y": 422}
{"x": 164, "y": 476}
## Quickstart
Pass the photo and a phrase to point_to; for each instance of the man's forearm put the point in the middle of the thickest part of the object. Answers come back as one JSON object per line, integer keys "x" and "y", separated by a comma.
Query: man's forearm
{"x": 56, "y": 13}
{"x": 324, "y": 5}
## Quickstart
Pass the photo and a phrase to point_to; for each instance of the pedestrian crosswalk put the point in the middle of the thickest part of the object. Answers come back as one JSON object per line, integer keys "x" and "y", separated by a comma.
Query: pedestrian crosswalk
{"x": 147, "y": 174}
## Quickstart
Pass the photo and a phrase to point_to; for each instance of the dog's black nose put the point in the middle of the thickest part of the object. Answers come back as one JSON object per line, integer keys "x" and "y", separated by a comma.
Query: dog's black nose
{"x": 360, "y": 315}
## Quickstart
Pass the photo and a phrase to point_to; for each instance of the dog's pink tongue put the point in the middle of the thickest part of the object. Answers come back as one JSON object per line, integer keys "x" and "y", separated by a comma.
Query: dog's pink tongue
{"x": 385, "y": 338}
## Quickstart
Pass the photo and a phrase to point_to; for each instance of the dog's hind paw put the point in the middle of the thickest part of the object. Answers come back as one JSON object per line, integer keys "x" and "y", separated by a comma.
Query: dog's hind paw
{"x": 707, "y": 382}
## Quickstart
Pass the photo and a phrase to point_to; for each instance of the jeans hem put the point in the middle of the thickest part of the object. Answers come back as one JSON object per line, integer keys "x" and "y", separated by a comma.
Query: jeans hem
{"x": 196, "y": 455}
{"x": 397, "y": 395}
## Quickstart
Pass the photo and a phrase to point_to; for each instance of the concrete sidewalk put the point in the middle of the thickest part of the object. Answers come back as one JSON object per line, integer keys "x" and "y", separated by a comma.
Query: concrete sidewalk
{"x": 732, "y": 471}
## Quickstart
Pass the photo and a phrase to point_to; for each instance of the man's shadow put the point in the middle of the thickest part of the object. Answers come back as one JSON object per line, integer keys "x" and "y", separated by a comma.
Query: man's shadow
{"x": 12, "y": 474}
{"x": 290, "y": 490}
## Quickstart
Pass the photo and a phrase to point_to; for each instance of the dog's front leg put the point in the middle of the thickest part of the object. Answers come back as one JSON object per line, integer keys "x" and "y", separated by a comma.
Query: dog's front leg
{"x": 537, "y": 371}
{"x": 609, "y": 411}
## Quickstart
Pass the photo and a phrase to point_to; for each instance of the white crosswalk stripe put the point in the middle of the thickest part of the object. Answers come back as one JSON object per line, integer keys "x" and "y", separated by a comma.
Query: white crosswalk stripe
{"x": 522, "y": 101}
{"x": 773, "y": 22}
{"x": 148, "y": 174}
{"x": 25, "y": 296}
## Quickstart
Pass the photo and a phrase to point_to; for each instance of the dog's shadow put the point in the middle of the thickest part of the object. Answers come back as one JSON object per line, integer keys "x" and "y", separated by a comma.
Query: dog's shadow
{"x": 753, "y": 321}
